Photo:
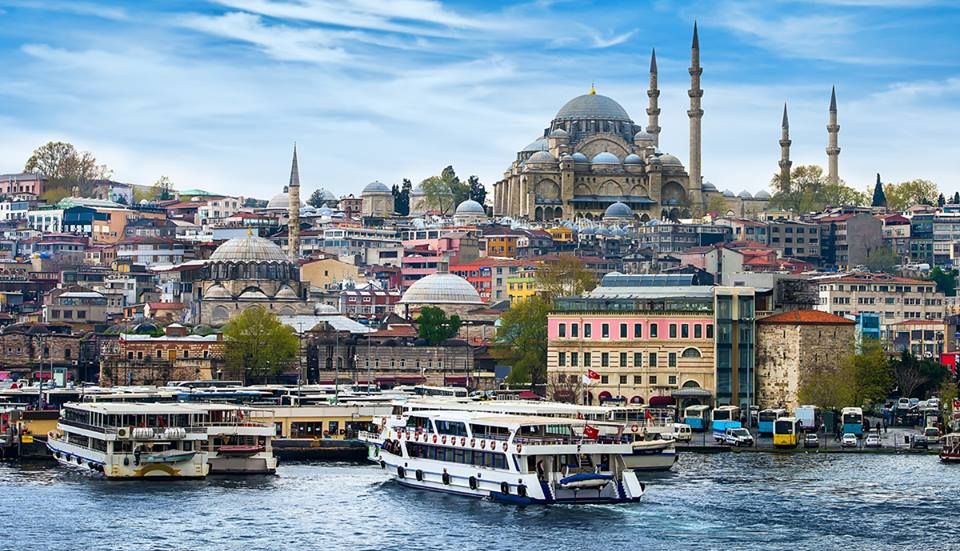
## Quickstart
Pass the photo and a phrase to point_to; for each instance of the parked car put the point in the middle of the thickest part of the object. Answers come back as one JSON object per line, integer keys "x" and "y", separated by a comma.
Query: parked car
{"x": 932, "y": 434}
{"x": 681, "y": 433}
{"x": 919, "y": 442}
{"x": 737, "y": 437}
{"x": 849, "y": 440}
{"x": 872, "y": 441}
{"x": 903, "y": 403}
{"x": 811, "y": 440}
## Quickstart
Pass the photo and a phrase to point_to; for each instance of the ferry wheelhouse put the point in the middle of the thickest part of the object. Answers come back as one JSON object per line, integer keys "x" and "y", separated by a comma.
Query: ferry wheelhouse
{"x": 950, "y": 453}
{"x": 521, "y": 459}
{"x": 132, "y": 440}
{"x": 239, "y": 440}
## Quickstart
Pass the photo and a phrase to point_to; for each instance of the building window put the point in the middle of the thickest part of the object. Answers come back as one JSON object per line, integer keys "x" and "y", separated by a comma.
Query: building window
{"x": 637, "y": 380}
{"x": 623, "y": 359}
{"x": 586, "y": 359}
{"x": 604, "y": 379}
{"x": 574, "y": 330}
{"x": 709, "y": 330}
{"x": 654, "y": 329}
{"x": 637, "y": 359}
{"x": 186, "y": 354}
{"x": 672, "y": 380}
{"x": 653, "y": 359}
{"x": 605, "y": 330}
{"x": 691, "y": 353}
{"x": 623, "y": 330}
{"x": 587, "y": 330}
{"x": 698, "y": 331}
{"x": 685, "y": 331}
{"x": 562, "y": 330}
{"x": 129, "y": 355}
{"x": 673, "y": 330}
{"x": 159, "y": 353}
{"x": 637, "y": 330}
{"x": 653, "y": 379}
{"x": 623, "y": 379}
{"x": 573, "y": 359}
{"x": 139, "y": 355}
{"x": 562, "y": 359}
{"x": 604, "y": 359}
{"x": 672, "y": 359}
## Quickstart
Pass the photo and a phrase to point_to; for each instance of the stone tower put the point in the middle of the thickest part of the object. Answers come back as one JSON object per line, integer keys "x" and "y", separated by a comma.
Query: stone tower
{"x": 695, "y": 113}
{"x": 653, "y": 110}
{"x": 833, "y": 151}
{"x": 293, "y": 229}
{"x": 785, "y": 162}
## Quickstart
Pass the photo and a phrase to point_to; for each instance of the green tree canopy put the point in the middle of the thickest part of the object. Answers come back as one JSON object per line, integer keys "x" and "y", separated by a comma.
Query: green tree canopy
{"x": 64, "y": 167}
{"x": 946, "y": 280}
{"x": 259, "y": 343}
{"x": 444, "y": 192}
{"x": 914, "y": 192}
{"x": 401, "y": 197}
{"x": 566, "y": 276}
{"x": 881, "y": 259}
{"x": 809, "y": 190}
{"x": 316, "y": 199}
{"x": 434, "y": 326}
{"x": 477, "y": 192}
{"x": 859, "y": 379}
{"x": 522, "y": 340}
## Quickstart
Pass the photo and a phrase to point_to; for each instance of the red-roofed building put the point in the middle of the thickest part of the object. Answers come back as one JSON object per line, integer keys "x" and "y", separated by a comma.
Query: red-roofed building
{"x": 489, "y": 275}
{"x": 796, "y": 347}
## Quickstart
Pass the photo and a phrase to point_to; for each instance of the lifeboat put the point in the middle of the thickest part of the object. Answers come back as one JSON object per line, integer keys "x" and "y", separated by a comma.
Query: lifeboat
{"x": 240, "y": 450}
{"x": 585, "y": 481}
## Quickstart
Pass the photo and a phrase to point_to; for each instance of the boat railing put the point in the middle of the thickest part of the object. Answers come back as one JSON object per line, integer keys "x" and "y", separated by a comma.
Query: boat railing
{"x": 189, "y": 430}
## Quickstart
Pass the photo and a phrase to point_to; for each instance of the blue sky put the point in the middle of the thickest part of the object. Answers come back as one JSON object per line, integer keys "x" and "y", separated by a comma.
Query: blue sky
{"x": 213, "y": 94}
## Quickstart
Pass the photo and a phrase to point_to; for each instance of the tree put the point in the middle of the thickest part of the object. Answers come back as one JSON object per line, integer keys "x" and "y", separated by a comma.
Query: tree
{"x": 478, "y": 193}
{"x": 956, "y": 198}
{"x": 941, "y": 201}
{"x": 252, "y": 203}
{"x": 881, "y": 259}
{"x": 809, "y": 190}
{"x": 401, "y": 197}
{"x": 162, "y": 189}
{"x": 64, "y": 167}
{"x": 907, "y": 373}
{"x": 879, "y": 198}
{"x": 859, "y": 379}
{"x": 316, "y": 199}
{"x": 259, "y": 343}
{"x": 565, "y": 388}
{"x": 717, "y": 206}
{"x": 434, "y": 326}
{"x": 444, "y": 192}
{"x": 914, "y": 192}
{"x": 522, "y": 340}
{"x": 566, "y": 276}
{"x": 946, "y": 280}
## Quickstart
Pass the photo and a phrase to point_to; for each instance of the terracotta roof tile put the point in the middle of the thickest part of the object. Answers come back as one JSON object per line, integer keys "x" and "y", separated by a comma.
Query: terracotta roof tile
{"x": 806, "y": 317}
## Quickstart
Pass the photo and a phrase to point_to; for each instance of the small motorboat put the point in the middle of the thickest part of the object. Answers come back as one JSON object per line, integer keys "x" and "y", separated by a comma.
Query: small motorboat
{"x": 167, "y": 456}
{"x": 581, "y": 481}
{"x": 950, "y": 453}
{"x": 240, "y": 450}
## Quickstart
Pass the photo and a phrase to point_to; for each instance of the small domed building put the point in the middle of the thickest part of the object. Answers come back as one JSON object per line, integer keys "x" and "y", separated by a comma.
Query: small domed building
{"x": 469, "y": 213}
{"x": 249, "y": 271}
{"x": 449, "y": 292}
{"x": 377, "y": 201}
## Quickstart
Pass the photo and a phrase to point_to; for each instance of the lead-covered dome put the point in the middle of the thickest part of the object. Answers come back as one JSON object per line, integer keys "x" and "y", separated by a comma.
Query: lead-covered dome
{"x": 441, "y": 288}
{"x": 541, "y": 157}
{"x": 471, "y": 207}
{"x": 605, "y": 158}
{"x": 249, "y": 249}
{"x": 376, "y": 187}
{"x": 592, "y": 106}
{"x": 762, "y": 194}
{"x": 618, "y": 210}
{"x": 280, "y": 201}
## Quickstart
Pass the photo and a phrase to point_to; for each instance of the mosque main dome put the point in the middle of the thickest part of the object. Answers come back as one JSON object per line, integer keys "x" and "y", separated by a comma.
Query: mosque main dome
{"x": 592, "y": 106}
{"x": 440, "y": 289}
{"x": 249, "y": 249}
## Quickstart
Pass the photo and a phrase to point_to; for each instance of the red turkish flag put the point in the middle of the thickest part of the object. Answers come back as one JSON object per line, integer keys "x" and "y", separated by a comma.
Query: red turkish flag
{"x": 593, "y": 374}
{"x": 591, "y": 432}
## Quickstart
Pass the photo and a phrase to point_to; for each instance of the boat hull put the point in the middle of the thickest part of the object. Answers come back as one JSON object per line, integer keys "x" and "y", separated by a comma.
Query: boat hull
{"x": 260, "y": 463}
{"x": 114, "y": 467}
{"x": 950, "y": 457}
{"x": 658, "y": 457}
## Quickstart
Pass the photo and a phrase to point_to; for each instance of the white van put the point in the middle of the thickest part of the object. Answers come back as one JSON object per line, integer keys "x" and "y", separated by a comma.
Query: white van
{"x": 681, "y": 433}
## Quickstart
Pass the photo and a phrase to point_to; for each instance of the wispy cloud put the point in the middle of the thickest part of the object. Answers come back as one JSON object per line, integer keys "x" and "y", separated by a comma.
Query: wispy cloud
{"x": 604, "y": 41}
{"x": 77, "y": 8}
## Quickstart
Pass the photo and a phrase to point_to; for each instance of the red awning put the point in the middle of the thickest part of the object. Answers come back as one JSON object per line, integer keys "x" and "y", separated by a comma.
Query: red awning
{"x": 636, "y": 400}
{"x": 528, "y": 395}
{"x": 658, "y": 401}
{"x": 605, "y": 395}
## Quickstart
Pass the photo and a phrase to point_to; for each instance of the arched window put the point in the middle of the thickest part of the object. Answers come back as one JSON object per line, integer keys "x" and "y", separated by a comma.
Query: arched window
{"x": 691, "y": 353}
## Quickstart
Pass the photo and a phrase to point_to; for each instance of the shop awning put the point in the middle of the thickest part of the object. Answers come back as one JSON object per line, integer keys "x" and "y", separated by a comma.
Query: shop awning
{"x": 660, "y": 401}
{"x": 690, "y": 393}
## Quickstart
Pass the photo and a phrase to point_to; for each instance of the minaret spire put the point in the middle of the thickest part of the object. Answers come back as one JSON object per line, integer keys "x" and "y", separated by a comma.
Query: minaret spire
{"x": 833, "y": 150}
{"x": 293, "y": 210}
{"x": 696, "y": 114}
{"x": 653, "y": 109}
{"x": 785, "y": 162}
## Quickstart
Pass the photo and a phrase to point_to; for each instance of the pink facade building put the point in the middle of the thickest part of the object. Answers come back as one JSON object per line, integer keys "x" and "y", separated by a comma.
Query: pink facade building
{"x": 26, "y": 182}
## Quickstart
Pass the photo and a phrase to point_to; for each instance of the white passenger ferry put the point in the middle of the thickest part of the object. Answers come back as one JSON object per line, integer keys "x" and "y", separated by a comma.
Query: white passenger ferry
{"x": 514, "y": 458}
{"x": 650, "y": 452}
{"x": 132, "y": 440}
{"x": 239, "y": 439}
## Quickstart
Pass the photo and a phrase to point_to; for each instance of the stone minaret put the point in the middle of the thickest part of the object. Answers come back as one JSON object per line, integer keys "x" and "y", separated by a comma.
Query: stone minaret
{"x": 293, "y": 237}
{"x": 833, "y": 151}
{"x": 695, "y": 113}
{"x": 653, "y": 110}
{"x": 785, "y": 162}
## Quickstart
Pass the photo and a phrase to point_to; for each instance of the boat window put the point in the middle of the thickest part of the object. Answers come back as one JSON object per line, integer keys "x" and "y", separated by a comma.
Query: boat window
{"x": 418, "y": 423}
{"x": 486, "y": 431}
{"x": 455, "y": 428}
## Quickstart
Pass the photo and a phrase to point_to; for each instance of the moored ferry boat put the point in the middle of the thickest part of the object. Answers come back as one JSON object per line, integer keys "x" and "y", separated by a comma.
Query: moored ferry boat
{"x": 950, "y": 453}
{"x": 132, "y": 440}
{"x": 521, "y": 459}
{"x": 239, "y": 439}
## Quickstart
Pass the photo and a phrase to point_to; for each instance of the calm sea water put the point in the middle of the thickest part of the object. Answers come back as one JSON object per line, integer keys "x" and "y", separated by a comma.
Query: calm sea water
{"x": 726, "y": 501}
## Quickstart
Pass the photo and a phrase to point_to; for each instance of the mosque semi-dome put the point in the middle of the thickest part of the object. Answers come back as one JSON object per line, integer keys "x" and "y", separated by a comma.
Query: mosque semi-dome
{"x": 580, "y": 158}
{"x": 249, "y": 249}
{"x": 592, "y": 106}
{"x": 745, "y": 195}
{"x": 669, "y": 160}
{"x": 540, "y": 144}
{"x": 643, "y": 136}
{"x": 441, "y": 288}
{"x": 471, "y": 207}
{"x": 541, "y": 157}
{"x": 632, "y": 159}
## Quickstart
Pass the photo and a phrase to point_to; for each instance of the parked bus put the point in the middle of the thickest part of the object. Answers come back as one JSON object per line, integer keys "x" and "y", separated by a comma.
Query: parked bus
{"x": 787, "y": 432}
{"x": 725, "y": 417}
{"x": 767, "y": 417}
{"x": 697, "y": 417}
{"x": 810, "y": 417}
{"x": 852, "y": 421}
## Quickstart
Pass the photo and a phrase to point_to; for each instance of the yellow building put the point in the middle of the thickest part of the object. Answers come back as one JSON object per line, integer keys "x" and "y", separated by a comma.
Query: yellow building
{"x": 522, "y": 286}
{"x": 502, "y": 246}
{"x": 325, "y": 271}
{"x": 561, "y": 234}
